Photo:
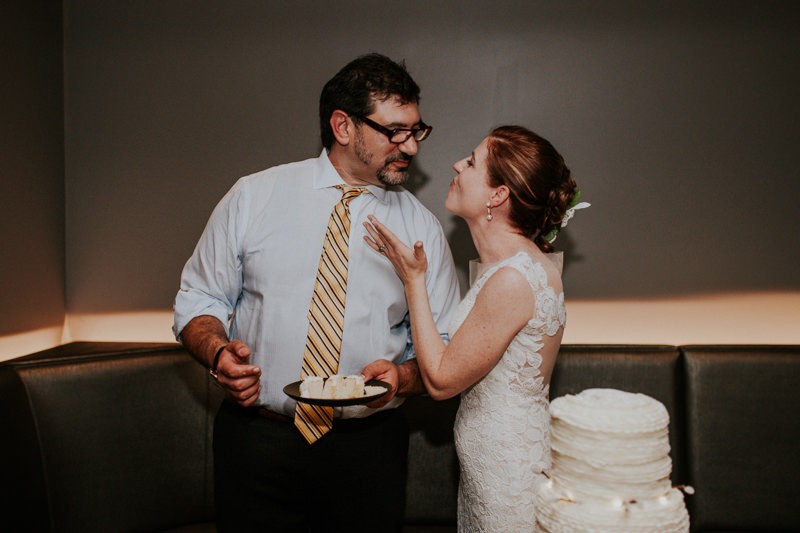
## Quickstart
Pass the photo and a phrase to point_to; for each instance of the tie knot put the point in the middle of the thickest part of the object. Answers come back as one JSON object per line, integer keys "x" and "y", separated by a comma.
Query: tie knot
{"x": 348, "y": 193}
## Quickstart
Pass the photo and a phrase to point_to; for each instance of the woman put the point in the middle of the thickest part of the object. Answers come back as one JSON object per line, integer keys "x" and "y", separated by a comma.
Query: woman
{"x": 514, "y": 192}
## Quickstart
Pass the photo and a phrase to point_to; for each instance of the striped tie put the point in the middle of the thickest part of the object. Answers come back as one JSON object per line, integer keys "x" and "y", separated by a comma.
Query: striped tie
{"x": 326, "y": 315}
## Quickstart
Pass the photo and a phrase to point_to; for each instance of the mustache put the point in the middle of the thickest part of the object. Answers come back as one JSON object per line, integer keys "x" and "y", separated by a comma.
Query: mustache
{"x": 399, "y": 157}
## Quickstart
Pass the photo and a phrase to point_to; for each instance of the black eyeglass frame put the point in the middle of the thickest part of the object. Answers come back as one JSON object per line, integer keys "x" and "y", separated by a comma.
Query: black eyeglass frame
{"x": 420, "y": 133}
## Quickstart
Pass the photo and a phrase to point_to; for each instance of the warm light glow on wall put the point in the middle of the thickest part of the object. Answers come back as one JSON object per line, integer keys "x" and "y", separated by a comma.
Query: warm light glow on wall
{"x": 29, "y": 342}
{"x": 153, "y": 326}
{"x": 748, "y": 318}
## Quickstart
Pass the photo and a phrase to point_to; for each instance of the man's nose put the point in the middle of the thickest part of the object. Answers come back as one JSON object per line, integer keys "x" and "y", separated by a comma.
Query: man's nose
{"x": 410, "y": 146}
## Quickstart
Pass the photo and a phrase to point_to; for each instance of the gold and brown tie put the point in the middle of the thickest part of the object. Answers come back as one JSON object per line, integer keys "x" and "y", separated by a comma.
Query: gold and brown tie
{"x": 326, "y": 315}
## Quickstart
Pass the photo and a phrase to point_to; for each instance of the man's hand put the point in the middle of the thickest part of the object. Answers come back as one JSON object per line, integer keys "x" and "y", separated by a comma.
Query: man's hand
{"x": 202, "y": 337}
{"x": 404, "y": 380}
{"x": 240, "y": 380}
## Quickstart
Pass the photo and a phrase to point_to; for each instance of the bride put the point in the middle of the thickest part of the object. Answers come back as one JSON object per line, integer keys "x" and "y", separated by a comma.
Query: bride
{"x": 514, "y": 192}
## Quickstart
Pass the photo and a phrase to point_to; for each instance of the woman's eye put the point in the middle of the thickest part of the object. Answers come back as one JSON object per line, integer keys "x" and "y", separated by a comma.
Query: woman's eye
{"x": 470, "y": 163}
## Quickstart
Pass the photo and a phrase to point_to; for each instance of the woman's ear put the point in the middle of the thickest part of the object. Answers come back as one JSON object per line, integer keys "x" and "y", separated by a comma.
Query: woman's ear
{"x": 499, "y": 196}
{"x": 341, "y": 127}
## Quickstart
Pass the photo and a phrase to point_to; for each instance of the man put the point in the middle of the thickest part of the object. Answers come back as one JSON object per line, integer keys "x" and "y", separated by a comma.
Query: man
{"x": 248, "y": 309}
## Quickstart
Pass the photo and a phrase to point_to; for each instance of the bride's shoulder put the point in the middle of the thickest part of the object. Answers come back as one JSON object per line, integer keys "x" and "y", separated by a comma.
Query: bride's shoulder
{"x": 508, "y": 278}
{"x": 539, "y": 269}
{"x": 505, "y": 293}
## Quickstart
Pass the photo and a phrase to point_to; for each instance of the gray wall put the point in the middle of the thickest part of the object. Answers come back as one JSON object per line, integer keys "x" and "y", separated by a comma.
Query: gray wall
{"x": 679, "y": 121}
{"x": 31, "y": 167}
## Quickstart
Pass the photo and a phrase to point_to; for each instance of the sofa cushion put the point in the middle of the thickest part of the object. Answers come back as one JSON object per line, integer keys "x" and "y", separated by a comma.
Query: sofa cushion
{"x": 743, "y": 434}
{"x": 123, "y": 433}
{"x": 432, "y": 487}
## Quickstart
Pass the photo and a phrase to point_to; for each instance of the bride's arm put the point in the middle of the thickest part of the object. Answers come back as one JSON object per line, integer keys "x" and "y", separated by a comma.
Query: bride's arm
{"x": 501, "y": 309}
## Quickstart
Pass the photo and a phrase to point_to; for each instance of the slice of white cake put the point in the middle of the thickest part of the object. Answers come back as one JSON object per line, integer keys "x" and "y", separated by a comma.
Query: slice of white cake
{"x": 349, "y": 387}
{"x": 335, "y": 387}
{"x": 311, "y": 387}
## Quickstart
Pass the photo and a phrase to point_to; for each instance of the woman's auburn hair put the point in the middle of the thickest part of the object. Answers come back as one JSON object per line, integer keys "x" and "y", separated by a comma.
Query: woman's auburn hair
{"x": 539, "y": 181}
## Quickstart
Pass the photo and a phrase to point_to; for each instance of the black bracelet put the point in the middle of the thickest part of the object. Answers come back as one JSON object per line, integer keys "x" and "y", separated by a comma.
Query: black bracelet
{"x": 213, "y": 369}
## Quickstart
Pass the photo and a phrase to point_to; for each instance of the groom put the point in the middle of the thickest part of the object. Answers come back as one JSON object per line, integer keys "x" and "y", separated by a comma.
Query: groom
{"x": 243, "y": 312}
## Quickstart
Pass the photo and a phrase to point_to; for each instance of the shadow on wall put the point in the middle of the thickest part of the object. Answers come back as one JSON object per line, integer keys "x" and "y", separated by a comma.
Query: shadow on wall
{"x": 462, "y": 247}
{"x": 416, "y": 180}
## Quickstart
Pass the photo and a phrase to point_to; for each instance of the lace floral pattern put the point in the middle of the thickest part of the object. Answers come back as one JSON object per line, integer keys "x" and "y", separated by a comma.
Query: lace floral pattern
{"x": 502, "y": 426}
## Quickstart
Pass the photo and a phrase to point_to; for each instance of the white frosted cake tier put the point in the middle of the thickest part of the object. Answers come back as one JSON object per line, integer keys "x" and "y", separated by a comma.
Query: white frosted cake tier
{"x": 611, "y": 410}
{"x": 665, "y": 514}
{"x": 611, "y": 466}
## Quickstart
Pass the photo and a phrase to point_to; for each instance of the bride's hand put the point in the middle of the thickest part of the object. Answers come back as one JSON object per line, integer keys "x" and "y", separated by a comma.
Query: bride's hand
{"x": 408, "y": 263}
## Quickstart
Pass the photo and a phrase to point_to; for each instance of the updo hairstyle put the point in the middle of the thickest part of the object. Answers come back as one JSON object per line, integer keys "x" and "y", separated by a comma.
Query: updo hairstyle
{"x": 539, "y": 181}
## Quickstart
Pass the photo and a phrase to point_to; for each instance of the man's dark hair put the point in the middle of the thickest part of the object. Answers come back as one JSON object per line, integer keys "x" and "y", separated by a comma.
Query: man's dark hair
{"x": 359, "y": 84}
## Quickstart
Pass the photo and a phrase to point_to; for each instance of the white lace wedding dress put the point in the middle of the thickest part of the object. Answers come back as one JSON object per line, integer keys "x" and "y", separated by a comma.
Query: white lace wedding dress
{"x": 502, "y": 425}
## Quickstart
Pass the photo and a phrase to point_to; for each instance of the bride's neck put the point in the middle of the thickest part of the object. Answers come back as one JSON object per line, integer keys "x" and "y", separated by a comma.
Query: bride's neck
{"x": 494, "y": 244}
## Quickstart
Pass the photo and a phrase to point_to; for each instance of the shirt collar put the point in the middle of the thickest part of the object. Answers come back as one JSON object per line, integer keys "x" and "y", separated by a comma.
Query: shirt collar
{"x": 327, "y": 176}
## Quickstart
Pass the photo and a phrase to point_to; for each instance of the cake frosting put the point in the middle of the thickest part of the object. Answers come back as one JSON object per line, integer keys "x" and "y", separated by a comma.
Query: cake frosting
{"x": 611, "y": 466}
{"x": 335, "y": 387}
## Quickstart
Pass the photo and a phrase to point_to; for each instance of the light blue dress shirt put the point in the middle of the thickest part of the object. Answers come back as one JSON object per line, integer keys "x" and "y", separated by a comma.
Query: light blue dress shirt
{"x": 255, "y": 265}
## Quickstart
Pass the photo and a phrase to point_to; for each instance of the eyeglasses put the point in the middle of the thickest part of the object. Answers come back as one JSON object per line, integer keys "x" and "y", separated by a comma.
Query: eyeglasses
{"x": 399, "y": 135}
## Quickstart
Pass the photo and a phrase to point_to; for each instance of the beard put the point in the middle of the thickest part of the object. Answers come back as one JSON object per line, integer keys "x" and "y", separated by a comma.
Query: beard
{"x": 384, "y": 174}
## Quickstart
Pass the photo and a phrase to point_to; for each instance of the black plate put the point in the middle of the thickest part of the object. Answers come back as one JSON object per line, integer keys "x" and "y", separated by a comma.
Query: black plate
{"x": 293, "y": 390}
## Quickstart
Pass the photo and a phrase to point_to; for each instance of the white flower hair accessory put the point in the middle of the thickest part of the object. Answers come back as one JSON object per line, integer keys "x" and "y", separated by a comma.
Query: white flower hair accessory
{"x": 573, "y": 205}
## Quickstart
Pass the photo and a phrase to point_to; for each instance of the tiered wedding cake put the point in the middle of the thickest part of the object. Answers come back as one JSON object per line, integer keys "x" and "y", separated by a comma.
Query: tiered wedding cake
{"x": 611, "y": 466}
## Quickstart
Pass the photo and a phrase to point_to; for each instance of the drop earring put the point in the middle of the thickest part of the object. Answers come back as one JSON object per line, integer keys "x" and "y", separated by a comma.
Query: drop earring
{"x": 489, "y": 211}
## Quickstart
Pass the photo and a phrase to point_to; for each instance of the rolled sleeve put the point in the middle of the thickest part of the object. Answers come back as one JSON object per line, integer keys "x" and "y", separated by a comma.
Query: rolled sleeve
{"x": 191, "y": 303}
{"x": 211, "y": 279}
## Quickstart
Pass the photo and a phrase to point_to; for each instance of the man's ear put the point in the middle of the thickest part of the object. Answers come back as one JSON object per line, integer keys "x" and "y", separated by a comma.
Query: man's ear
{"x": 342, "y": 127}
